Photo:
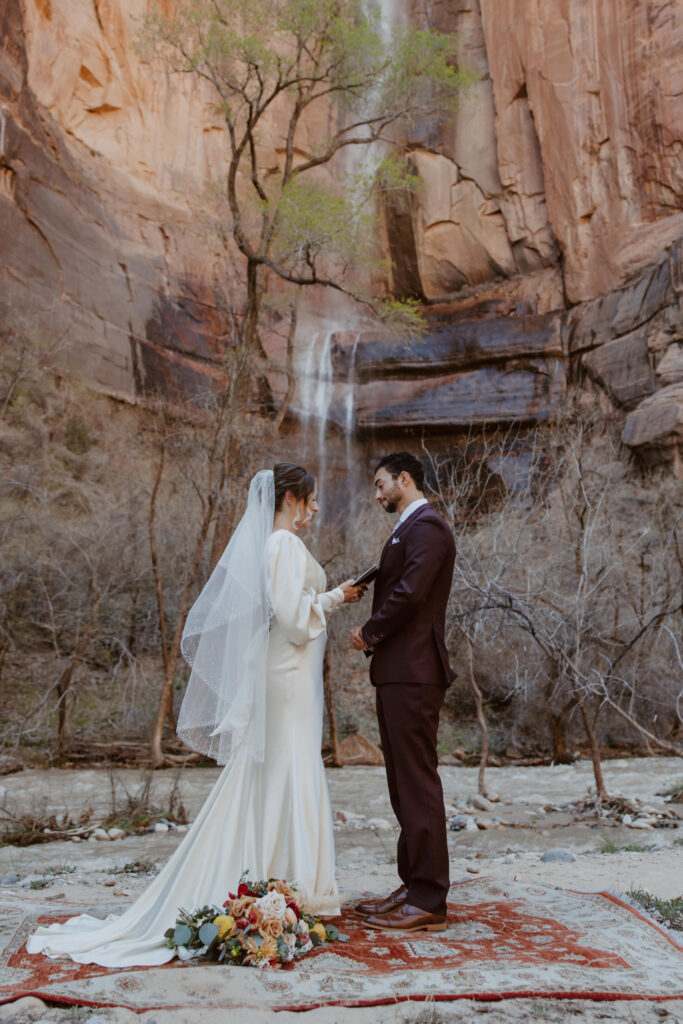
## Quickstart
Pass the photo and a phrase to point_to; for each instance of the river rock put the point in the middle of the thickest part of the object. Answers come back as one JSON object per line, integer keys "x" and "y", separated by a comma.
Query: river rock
{"x": 116, "y": 833}
{"x": 9, "y": 880}
{"x": 10, "y": 765}
{"x": 471, "y": 825}
{"x": 481, "y": 802}
{"x": 449, "y": 759}
{"x": 557, "y": 856}
{"x": 160, "y": 826}
{"x": 101, "y": 835}
{"x": 357, "y": 749}
{"x": 458, "y": 822}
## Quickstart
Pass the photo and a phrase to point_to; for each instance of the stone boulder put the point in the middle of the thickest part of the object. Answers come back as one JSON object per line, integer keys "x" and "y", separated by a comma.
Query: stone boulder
{"x": 654, "y": 431}
{"x": 357, "y": 749}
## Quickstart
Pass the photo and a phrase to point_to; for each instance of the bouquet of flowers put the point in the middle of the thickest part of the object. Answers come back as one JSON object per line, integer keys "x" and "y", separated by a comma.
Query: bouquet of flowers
{"x": 262, "y": 925}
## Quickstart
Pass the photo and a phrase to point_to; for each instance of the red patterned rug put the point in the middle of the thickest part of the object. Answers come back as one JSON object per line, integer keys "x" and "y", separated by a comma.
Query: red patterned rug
{"x": 504, "y": 940}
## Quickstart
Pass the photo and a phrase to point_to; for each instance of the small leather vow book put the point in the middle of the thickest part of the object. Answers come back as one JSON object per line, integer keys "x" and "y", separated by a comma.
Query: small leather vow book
{"x": 366, "y": 577}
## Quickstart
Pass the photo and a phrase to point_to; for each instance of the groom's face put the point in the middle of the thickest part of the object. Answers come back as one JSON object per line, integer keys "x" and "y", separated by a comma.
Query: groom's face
{"x": 387, "y": 490}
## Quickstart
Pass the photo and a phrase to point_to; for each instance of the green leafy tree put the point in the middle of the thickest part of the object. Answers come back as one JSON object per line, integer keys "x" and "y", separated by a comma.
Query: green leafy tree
{"x": 292, "y": 63}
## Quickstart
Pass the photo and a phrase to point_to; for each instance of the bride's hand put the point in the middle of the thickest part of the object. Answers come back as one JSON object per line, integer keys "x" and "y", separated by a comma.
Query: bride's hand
{"x": 352, "y": 595}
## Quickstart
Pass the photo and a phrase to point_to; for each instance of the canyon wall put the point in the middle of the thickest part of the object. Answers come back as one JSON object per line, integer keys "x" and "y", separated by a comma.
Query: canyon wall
{"x": 545, "y": 237}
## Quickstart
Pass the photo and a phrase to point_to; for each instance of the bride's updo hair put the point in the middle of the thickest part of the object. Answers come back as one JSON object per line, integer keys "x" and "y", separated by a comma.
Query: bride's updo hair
{"x": 296, "y": 479}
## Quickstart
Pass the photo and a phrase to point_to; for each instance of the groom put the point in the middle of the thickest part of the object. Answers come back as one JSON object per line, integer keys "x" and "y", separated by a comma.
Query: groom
{"x": 410, "y": 671}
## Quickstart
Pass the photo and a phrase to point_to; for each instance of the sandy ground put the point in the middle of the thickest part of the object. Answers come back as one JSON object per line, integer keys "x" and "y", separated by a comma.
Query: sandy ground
{"x": 526, "y": 821}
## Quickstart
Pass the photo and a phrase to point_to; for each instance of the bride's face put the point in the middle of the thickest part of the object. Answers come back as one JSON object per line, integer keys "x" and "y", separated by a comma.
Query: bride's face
{"x": 308, "y": 509}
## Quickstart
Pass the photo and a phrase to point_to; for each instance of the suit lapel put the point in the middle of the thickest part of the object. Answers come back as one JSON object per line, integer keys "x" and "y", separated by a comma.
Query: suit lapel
{"x": 407, "y": 523}
{"x": 400, "y": 531}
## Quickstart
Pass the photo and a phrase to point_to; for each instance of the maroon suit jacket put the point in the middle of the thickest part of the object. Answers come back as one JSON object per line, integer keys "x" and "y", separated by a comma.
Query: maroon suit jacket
{"x": 407, "y": 627}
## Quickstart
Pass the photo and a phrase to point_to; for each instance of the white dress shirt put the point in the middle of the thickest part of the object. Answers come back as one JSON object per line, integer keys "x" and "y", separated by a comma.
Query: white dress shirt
{"x": 414, "y": 505}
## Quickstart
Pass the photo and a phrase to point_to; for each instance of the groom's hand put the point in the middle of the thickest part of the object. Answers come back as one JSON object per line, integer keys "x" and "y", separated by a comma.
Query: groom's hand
{"x": 357, "y": 641}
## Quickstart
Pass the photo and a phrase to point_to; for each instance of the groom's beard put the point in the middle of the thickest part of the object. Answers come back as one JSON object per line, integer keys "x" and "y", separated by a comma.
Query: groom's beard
{"x": 391, "y": 500}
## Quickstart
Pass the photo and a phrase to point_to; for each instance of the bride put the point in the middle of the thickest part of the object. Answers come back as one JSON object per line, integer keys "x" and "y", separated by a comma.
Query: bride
{"x": 255, "y": 639}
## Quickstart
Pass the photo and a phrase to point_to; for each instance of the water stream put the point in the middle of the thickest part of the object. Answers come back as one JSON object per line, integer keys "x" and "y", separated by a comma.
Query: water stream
{"x": 319, "y": 397}
{"x": 326, "y": 407}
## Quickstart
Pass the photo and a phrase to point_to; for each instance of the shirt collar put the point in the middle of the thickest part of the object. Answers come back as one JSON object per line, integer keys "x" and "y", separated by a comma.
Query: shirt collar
{"x": 413, "y": 507}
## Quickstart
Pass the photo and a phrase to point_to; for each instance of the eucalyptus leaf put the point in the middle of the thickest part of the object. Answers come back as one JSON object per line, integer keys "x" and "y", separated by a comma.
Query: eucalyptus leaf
{"x": 208, "y": 933}
{"x": 182, "y": 935}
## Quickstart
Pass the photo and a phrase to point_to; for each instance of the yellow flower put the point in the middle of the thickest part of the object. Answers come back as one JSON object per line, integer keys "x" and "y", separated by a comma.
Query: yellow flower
{"x": 269, "y": 948}
{"x": 319, "y": 930}
{"x": 225, "y": 925}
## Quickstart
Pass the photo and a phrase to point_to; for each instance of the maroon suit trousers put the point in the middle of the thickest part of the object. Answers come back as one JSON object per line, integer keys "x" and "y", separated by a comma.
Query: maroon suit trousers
{"x": 408, "y": 715}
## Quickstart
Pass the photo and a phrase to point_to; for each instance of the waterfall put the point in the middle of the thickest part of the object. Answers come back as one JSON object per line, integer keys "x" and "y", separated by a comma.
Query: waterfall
{"x": 322, "y": 399}
{"x": 350, "y": 402}
{"x": 316, "y": 388}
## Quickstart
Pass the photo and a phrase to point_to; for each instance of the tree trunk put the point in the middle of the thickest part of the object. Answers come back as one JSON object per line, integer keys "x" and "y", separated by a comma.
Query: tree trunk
{"x": 558, "y": 723}
{"x": 291, "y": 376}
{"x": 165, "y": 711}
{"x": 252, "y": 305}
{"x": 600, "y": 790}
{"x": 482, "y": 721}
{"x": 62, "y": 690}
{"x": 64, "y": 681}
{"x": 155, "y": 560}
{"x": 4, "y": 648}
{"x": 331, "y": 714}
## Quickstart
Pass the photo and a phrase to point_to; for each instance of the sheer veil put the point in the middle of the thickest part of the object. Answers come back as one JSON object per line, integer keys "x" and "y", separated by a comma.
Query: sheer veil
{"x": 225, "y": 640}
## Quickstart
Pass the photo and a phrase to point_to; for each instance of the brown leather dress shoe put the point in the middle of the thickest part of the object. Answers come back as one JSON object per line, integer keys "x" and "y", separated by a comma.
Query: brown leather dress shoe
{"x": 383, "y": 904}
{"x": 408, "y": 919}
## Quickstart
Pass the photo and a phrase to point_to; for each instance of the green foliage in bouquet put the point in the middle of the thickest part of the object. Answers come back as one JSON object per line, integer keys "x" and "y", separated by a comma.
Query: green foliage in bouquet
{"x": 262, "y": 925}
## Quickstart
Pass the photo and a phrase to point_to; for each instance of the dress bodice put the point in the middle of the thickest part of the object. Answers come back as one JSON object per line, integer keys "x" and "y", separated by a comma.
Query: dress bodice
{"x": 296, "y": 587}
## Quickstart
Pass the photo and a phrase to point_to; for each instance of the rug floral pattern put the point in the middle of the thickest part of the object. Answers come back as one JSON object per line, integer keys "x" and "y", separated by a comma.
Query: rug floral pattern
{"x": 503, "y": 940}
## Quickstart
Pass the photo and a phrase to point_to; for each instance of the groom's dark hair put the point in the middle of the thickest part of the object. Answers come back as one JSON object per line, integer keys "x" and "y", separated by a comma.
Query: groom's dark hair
{"x": 403, "y": 462}
{"x": 296, "y": 479}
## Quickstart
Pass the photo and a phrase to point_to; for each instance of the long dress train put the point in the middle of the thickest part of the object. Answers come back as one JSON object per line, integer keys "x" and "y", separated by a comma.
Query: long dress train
{"x": 271, "y": 818}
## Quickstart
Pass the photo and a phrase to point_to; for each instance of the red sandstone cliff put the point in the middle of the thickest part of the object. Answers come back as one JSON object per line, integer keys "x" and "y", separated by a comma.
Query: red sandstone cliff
{"x": 556, "y": 192}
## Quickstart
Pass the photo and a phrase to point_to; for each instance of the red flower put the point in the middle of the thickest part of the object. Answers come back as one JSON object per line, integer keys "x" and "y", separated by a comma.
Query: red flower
{"x": 293, "y": 906}
{"x": 243, "y": 890}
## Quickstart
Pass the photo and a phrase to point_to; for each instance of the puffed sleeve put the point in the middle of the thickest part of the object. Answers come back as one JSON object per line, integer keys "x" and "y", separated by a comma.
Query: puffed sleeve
{"x": 299, "y": 610}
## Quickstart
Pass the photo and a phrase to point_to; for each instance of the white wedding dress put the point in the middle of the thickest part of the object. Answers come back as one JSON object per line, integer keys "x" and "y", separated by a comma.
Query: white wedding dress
{"x": 271, "y": 818}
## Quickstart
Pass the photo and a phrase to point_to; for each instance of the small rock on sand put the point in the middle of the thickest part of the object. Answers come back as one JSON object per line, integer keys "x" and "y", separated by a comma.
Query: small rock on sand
{"x": 557, "y": 856}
